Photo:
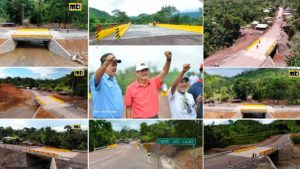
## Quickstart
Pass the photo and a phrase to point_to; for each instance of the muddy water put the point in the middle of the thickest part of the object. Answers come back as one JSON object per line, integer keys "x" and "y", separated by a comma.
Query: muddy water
{"x": 33, "y": 54}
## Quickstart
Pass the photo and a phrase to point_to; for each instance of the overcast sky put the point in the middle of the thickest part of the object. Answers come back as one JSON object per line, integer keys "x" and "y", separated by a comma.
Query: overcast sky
{"x": 35, "y": 72}
{"x": 220, "y": 121}
{"x": 136, "y": 7}
{"x": 132, "y": 124}
{"x": 57, "y": 124}
{"x": 228, "y": 72}
{"x": 153, "y": 55}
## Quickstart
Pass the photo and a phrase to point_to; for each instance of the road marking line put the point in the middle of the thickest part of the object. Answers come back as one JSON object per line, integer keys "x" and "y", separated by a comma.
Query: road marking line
{"x": 56, "y": 99}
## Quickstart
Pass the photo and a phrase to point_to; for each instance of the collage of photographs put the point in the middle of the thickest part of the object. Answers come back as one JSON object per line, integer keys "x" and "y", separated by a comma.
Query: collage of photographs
{"x": 138, "y": 84}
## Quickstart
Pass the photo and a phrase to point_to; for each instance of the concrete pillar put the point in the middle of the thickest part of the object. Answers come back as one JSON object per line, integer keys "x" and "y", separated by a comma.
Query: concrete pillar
{"x": 53, "y": 164}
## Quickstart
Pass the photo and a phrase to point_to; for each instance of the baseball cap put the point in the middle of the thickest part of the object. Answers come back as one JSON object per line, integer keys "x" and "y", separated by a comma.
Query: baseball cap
{"x": 103, "y": 58}
{"x": 186, "y": 79}
{"x": 141, "y": 66}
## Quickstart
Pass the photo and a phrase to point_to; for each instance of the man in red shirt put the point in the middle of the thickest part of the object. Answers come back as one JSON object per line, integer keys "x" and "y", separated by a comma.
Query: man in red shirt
{"x": 141, "y": 97}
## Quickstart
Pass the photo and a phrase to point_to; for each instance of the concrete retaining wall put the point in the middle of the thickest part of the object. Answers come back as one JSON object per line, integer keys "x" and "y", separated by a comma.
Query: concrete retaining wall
{"x": 7, "y": 46}
{"x": 17, "y": 159}
{"x": 57, "y": 49}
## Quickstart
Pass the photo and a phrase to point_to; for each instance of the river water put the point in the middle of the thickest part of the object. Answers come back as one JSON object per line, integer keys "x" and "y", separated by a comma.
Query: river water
{"x": 33, "y": 54}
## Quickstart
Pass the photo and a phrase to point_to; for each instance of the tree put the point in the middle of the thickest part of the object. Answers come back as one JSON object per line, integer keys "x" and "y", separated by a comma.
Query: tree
{"x": 165, "y": 14}
{"x": 242, "y": 88}
{"x": 120, "y": 16}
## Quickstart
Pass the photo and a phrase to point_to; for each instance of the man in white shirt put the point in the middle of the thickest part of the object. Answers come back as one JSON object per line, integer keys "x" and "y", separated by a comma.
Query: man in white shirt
{"x": 193, "y": 78}
{"x": 182, "y": 104}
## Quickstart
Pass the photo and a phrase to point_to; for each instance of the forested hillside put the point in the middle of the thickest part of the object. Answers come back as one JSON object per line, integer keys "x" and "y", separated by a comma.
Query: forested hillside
{"x": 42, "y": 12}
{"x": 69, "y": 83}
{"x": 243, "y": 132}
{"x": 102, "y": 133}
{"x": 73, "y": 139}
{"x": 259, "y": 84}
{"x": 224, "y": 18}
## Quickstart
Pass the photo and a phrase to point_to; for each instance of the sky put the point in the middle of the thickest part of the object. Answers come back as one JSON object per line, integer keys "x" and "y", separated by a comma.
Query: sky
{"x": 136, "y": 7}
{"x": 220, "y": 121}
{"x": 132, "y": 124}
{"x": 57, "y": 124}
{"x": 36, "y": 73}
{"x": 228, "y": 72}
{"x": 153, "y": 55}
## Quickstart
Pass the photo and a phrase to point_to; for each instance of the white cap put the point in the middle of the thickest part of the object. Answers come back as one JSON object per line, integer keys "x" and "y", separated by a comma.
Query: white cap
{"x": 141, "y": 66}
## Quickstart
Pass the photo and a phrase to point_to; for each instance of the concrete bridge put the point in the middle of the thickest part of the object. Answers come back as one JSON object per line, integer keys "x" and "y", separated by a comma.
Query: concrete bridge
{"x": 28, "y": 156}
{"x": 32, "y": 35}
{"x": 249, "y": 157}
{"x": 57, "y": 107}
{"x": 48, "y": 37}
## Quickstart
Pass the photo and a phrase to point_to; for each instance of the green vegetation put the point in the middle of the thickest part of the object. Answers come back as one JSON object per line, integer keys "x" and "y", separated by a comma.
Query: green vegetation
{"x": 73, "y": 139}
{"x": 77, "y": 85}
{"x": 257, "y": 84}
{"x": 295, "y": 139}
{"x": 223, "y": 20}
{"x": 167, "y": 14}
{"x": 102, "y": 133}
{"x": 294, "y": 35}
{"x": 43, "y": 11}
{"x": 244, "y": 132}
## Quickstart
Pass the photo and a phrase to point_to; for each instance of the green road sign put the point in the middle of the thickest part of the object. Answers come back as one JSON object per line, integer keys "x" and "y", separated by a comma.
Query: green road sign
{"x": 176, "y": 141}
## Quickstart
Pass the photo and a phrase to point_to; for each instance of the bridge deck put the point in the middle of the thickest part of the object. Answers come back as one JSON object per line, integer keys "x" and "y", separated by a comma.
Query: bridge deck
{"x": 259, "y": 151}
{"x": 32, "y": 34}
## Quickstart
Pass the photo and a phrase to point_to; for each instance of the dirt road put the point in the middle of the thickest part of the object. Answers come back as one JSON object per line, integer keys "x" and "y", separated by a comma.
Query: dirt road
{"x": 16, "y": 103}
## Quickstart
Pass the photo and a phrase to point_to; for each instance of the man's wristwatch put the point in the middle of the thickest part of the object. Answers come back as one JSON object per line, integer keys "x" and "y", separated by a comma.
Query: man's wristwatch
{"x": 169, "y": 59}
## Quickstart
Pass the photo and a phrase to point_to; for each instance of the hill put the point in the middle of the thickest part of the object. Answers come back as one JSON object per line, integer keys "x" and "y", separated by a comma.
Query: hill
{"x": 98, "y": 14}
{"x": 257, "y": 84}
{"x": 243, "y": 132}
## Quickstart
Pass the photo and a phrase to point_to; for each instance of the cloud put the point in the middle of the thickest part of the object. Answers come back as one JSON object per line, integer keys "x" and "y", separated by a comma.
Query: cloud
{"x": 132, "y": 124}
{"x": 3, "y": 74}
{"x": 136, "y": 7}
{"x": 221, "y": 121}
{"x": 16, "y": 124}
{"x": 44, "y": 73}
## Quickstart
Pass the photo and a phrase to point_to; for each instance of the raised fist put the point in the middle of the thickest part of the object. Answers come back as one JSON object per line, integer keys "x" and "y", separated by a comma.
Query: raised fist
{"x": 110, "y": 59}
{"x": 186, "y": 67}
{"x": 168, "y": 54}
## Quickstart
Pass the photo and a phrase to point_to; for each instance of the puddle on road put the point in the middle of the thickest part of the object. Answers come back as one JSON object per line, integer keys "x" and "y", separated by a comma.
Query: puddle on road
{"x": 33, "y": 54}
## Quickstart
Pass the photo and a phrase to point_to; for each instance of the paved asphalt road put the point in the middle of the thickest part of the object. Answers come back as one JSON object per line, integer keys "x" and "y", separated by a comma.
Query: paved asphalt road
{"x": 125, "y": 156}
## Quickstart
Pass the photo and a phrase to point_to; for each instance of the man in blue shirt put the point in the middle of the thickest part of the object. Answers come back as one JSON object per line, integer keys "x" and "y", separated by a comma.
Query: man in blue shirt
{"x": 196, "y": 91}
{"x": 106, "y": 93}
